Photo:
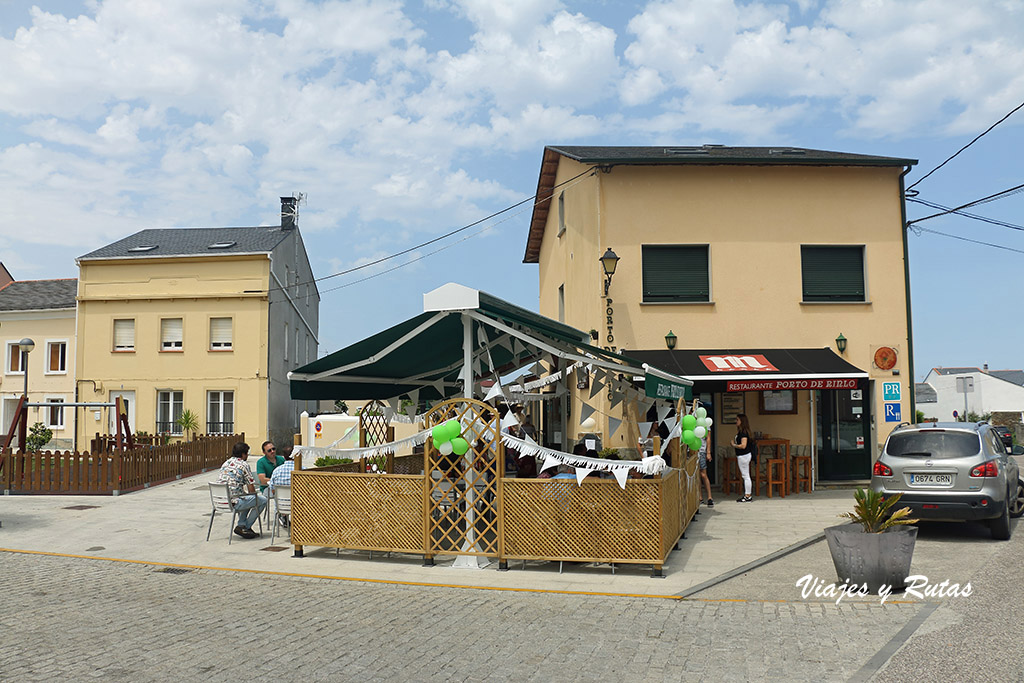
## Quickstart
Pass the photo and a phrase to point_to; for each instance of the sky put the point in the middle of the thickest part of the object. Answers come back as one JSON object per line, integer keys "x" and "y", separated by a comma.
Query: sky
{"x": 403, "y": 121}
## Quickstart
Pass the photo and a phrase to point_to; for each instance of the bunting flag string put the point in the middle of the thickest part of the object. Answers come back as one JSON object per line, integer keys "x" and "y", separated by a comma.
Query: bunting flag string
{"x": 552, "y": 458}
{"x": 369, "y": 451}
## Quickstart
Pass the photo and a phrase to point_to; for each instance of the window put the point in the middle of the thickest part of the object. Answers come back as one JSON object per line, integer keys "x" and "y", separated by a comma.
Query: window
{"x": 561, "y": 213}
{"x": 676, "y": 273}
{"x": 297, "y": 347}
{"x": 55, "y": 413}
{"x": 168, "y": 410}
{"x": 10, "y": 405}
{"x": 56, "y": 358}
{"x": 220, "y": 412}
{"x": 14, "y": 359}
{"x": 833, "y": 273}
{"x": 124, "y": 335}
{"x": 286, "y": 341}
{"x": 170, "y": 334}
{"x": 220, "y": 334}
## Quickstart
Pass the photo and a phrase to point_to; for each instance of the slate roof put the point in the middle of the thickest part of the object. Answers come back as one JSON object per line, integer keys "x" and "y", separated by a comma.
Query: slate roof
{"x": 679, "y": 155}
{"x": 191, "y": 242}
{"x": 956, "y": 371}
{"x": 1014, "y": 376}
{"x": 925, "y": 393}
{"x": 33, "y": 295}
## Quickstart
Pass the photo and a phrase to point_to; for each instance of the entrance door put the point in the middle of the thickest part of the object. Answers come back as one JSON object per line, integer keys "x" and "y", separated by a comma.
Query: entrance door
{"x": 843, "y": 434}
{"x": 128, "y": 399}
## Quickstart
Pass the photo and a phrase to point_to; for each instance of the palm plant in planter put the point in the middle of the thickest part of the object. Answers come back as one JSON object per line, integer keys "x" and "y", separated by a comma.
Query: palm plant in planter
{"x": 877, "y": 547}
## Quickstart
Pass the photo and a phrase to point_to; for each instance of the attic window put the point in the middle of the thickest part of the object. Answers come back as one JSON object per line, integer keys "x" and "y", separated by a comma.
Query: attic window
{"x": 143, "y": 247}
{"x": 222, "y": 245}
{"x": 686, "y": 150}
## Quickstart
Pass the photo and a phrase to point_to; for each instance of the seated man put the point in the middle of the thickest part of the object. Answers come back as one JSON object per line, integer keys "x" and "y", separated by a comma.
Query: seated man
{"x": 266, "y": 465}
{"x": 282, "y": 476}
{"x": 242, "y": 489}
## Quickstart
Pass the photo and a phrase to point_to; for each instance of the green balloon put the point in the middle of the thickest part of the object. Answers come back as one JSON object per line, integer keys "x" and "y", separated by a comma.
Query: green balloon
{"x": 440, "y": 434}
{"x": 459, "y": 446}
{"x": 453, "y": 427}
{"x": 688, "y": 435}
{"x": 689, "y": 422}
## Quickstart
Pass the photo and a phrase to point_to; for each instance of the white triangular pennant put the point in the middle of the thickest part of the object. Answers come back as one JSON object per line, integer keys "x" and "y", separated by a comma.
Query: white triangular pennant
{"x": 396, "y": 405}
{"x": 585, "y": 412}
{"x": 581, "y": 474}
{"x": 613, "y": 425}
{"x": 494, "y": 392}
{"x": 621, "y": 474}
{"x": 414, "y": 396}
{"x": 663, "y": 411}
{"x": 645, "y": 429}
{"x": 549, "y": 462}
{"x": 670, "y": 423}
{"x": 616, "y": 399}
{"x": 595, "y": 386}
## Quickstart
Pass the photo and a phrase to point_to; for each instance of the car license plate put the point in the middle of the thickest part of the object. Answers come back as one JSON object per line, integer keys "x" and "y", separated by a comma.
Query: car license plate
{"x": 931, "y": 479}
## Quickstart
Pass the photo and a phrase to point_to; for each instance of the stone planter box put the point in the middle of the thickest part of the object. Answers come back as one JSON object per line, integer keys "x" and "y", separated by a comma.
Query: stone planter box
{"x": 872, "y": 559}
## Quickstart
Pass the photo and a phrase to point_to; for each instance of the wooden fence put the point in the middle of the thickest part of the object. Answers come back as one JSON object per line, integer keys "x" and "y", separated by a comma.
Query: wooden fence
{"x": 113, "y": 472}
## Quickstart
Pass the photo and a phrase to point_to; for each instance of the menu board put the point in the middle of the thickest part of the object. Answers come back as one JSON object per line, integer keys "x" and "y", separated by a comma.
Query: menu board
{"x": 732, "y": 405}
{"x": 783, "y": 401}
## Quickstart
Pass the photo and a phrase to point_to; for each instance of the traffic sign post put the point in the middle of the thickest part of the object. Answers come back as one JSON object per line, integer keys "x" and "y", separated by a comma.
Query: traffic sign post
{"x": 965, "y": 385}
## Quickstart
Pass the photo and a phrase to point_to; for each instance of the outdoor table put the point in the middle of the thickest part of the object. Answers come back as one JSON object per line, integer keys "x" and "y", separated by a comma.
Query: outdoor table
{"x": 781, "y": 448}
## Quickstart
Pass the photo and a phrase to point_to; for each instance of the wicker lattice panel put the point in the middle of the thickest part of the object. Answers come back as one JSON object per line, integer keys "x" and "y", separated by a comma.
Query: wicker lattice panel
{"x": 358, "y": 511}
{"x": 463, "y": 496}
{"x": 556, "y": 519}
{"x": 672, "y": 504}
{"x": 373, "y": 425}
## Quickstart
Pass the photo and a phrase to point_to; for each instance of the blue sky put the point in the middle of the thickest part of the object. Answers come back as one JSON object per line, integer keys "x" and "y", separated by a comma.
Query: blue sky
{"x": 403, "y": 121}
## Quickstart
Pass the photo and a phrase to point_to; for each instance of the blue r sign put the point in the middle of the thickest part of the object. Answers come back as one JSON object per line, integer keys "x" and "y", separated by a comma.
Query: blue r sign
{"x": 892, "y": 412}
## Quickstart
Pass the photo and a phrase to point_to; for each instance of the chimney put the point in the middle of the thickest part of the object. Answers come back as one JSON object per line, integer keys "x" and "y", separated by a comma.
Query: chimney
{"x": 984, "y": 368}
{"x": 289, "y": 212}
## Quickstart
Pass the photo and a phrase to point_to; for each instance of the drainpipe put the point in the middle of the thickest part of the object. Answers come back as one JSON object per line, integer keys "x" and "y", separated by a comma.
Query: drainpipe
{"x": 906, "y": 280}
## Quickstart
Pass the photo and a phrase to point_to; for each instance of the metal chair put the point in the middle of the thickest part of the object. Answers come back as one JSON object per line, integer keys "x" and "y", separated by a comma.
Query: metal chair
{"x": 282, "y": 506}
{"x": 220, "y": 498}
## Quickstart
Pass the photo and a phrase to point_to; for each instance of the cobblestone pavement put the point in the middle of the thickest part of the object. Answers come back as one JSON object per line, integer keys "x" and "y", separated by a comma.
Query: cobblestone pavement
{"x": 79, "y": 619}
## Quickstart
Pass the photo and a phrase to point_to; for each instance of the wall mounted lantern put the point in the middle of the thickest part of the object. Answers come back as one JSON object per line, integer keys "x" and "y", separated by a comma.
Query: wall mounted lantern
{"x": 608, "y": 262}
{"x": 670, "y": 340}
{"x": 841, "y": 343}
{"x": 25, "y": 346}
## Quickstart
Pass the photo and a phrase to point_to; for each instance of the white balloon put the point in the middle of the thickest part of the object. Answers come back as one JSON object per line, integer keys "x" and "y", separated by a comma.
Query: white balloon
{"x": 702, "y": 412}
{"x": 707, "y": 422}
{"x": 702, "y": 422}
{"x": 445, "y": 448}
{"x": 700, "y": 432}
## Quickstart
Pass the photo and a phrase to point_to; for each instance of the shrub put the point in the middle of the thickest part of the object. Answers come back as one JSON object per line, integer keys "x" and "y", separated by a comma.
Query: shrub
{"x": 326, "y": 461}
{"x": 38, "y": 436}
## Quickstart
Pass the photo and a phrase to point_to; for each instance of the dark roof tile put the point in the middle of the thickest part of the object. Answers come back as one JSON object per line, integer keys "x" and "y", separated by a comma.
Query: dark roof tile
{"x": 33, "y": 295}
{"x": 191, "y": 242}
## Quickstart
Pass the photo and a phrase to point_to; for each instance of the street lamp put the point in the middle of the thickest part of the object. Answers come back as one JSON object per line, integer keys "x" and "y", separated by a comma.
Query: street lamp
{"x": 25, "y": 346}
{"x": 608, "y": 261}
{"x": 670, "y": 340}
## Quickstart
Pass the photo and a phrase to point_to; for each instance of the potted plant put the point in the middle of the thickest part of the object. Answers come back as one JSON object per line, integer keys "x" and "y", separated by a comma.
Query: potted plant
{"x": 877, "y": 546}
{"x": 189, "y": 423}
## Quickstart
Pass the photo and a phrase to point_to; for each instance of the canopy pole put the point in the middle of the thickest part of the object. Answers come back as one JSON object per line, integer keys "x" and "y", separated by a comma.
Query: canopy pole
{"x": 469, "y": 473}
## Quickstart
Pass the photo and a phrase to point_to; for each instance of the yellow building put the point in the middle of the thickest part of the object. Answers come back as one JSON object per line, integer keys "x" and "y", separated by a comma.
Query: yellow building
{"x": 202, "y": 319}
{"x": 752, "y": 262}
{"x": 44, "y": 312}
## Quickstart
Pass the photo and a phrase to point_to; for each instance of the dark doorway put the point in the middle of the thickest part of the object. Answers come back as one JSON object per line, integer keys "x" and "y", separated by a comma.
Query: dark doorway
{"x": 844, "y": 419}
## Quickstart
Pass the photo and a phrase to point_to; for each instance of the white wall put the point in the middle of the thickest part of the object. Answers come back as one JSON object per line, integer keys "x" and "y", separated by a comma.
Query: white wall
{"x": 991, "y": 394}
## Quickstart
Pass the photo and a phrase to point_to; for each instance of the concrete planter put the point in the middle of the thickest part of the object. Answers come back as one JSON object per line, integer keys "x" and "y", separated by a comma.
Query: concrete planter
{"x": 873, "y": 559}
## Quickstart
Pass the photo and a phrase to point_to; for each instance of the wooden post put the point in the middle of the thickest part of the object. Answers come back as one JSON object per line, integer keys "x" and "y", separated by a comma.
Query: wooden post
{"x": 298, "y": 466}
{"x": 117, "y": 407}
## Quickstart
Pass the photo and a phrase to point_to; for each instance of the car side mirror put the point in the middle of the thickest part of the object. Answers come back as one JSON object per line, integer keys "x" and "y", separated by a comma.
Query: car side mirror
{"x": 1016, "y": 450}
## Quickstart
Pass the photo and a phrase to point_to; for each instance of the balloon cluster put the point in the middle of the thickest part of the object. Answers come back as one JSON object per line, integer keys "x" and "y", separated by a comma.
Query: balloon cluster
{"x": 695, "y": 428}
{"x": 447, "y": 439}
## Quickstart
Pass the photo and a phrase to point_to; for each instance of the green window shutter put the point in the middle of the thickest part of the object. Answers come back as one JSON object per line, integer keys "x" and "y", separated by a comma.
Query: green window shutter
{"x": 833, "y": 273}
{"x": 676, "y": 273}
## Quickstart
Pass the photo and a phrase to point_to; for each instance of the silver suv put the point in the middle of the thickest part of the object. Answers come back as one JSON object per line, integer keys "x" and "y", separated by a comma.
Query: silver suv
{"x": 952, "y": 471}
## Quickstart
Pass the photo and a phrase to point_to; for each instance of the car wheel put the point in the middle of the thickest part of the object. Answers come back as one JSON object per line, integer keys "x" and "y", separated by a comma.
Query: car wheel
{"x": 1001, "y": 525}
{"x": 1017, "y": 507}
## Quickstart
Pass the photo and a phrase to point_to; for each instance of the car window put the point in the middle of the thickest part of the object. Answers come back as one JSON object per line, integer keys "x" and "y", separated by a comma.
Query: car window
{"x": 933, "y": 443}
{"x": 997, "y": 443}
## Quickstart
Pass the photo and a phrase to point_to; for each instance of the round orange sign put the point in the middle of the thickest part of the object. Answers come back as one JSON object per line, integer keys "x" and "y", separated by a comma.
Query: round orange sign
{"x": 885, "y": 358}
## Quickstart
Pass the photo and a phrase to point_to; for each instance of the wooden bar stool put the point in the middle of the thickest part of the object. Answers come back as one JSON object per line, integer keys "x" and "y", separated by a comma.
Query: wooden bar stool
{"x": 801, "y": 471}
{"x": 731, "y": 476}
{"x": 776, "y": 475}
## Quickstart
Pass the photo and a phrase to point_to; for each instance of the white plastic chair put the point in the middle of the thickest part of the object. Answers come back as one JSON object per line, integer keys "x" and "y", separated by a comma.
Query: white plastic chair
{"x": 220, "y": 498}
{"x": 282, "y": 506}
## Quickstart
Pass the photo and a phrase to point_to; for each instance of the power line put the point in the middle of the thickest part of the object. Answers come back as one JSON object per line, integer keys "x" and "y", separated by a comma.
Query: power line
{"x": 967, "y": 239}
{"x": 532, "y": 198}
{"x": 983, "y": 200}
{"x": 1012, "y": 112}
{"x": 977, "y": 217}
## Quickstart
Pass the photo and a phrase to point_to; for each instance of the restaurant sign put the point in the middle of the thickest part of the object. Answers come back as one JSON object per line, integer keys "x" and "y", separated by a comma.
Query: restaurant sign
{"x": 657, "y": 387}
{"x": 751, "y": 362}
{"x": 781, "y": 384}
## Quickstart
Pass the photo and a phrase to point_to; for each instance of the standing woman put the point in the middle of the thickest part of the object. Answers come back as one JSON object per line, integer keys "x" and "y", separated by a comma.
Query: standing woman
{"x": 742, "y": 443}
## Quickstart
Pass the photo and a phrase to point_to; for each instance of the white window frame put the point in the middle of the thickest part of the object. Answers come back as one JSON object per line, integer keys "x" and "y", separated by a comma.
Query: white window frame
{"x": 13, "y": 348}
{"x": 46, "y": 362}
{"x": 166, "y": 342}
{"x": 229, "y": 345}
{"x": 114, "y": 346}
{"x": 176, "y": 429}
{"x": 50, "y": 411}
{"x": 220, "y": 408}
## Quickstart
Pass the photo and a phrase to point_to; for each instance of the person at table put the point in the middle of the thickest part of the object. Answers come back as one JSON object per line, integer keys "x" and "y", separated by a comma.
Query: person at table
{"x": 282, "y": 476}
{"x": 743, "y": 443}
{"x": 236, "y": 474}
{"x": 266, "y": 465}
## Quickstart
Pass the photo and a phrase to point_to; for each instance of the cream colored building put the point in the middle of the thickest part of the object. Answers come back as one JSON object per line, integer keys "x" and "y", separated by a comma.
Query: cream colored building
{"x": 757, "y": 260}
{"x": 43, "y": 311}
{"x": 202, "y": 319}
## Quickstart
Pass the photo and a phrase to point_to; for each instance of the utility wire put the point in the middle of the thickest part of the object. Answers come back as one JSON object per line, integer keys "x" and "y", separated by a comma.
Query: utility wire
{"x": 1015, "y": 109}
{"x": 983, "y": 200}
{"x": 967, "y": 239}
{"x": 965, "y": 214}
{"x": 533, "y": 198}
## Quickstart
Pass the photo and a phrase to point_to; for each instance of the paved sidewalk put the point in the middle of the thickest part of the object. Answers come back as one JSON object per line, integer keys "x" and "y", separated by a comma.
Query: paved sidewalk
{"x": 168, "y": 524}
